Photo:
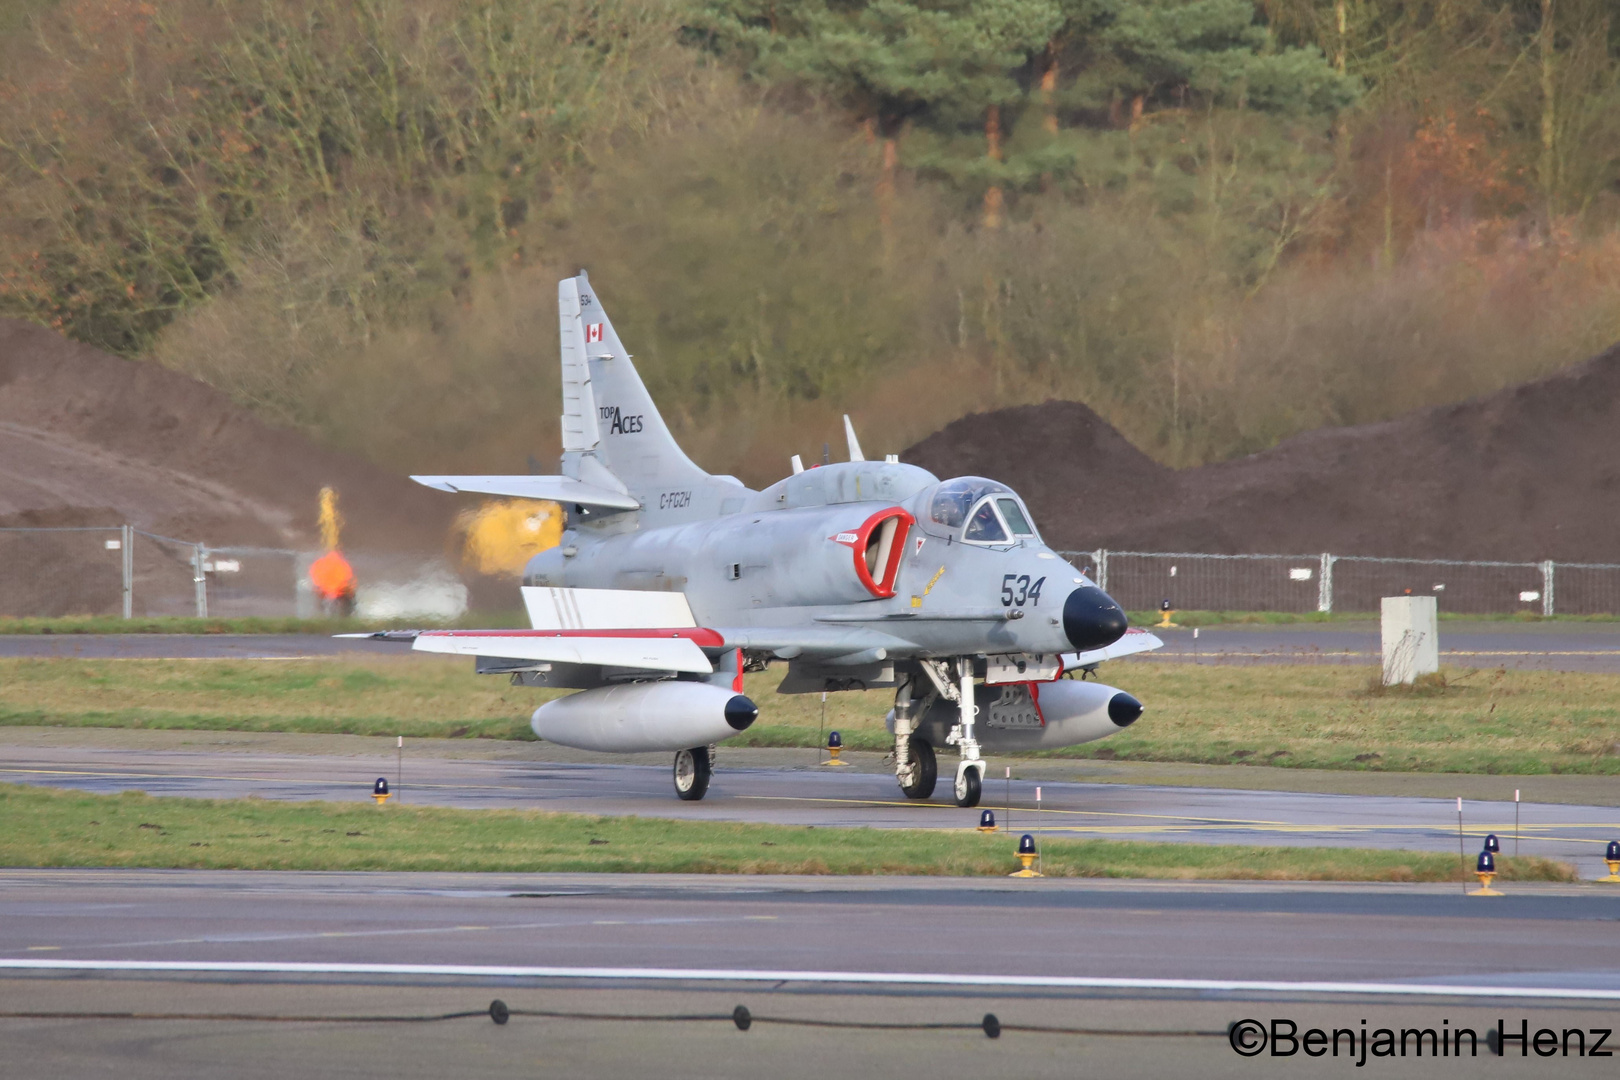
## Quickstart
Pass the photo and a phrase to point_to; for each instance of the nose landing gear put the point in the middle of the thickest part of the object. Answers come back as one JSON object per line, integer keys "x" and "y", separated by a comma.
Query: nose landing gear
{"x": 970, "y": 769}
{"x": 969, "y": 782}
{"x": 914, "y": 763}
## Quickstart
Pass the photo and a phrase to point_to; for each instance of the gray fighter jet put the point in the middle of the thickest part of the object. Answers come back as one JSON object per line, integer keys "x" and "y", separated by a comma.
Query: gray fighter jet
{"x": 670, "y": 583}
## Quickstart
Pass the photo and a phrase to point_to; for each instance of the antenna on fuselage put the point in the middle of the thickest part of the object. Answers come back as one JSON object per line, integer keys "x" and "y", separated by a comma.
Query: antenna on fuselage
{"x": 854, "y": 443}
{"x": 798, "y": 465}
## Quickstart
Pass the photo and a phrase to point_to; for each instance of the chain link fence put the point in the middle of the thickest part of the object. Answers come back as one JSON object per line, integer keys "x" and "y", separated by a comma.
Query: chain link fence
{"x": 121, "y": 570}
{"x": 1192, "y": 581}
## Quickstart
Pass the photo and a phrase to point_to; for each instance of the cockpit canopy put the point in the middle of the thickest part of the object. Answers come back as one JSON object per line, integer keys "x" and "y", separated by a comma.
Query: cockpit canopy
{"x": 985, "y": 511}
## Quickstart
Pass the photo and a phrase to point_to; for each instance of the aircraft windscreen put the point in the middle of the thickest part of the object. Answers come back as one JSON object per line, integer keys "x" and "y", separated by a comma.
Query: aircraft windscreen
{"x": 954, "y": 498}
{"x": 1013, "y": 514}
{"x": 985, "y": 527}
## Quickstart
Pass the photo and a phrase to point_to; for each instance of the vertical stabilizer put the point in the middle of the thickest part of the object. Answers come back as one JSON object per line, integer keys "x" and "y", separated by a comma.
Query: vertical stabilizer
{"x": 579, "y": 431}
{"x": 612, "y": 432}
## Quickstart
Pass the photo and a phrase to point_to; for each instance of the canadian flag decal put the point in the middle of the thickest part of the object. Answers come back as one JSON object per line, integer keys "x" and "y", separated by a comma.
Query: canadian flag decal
{"x": 593, "y": 332}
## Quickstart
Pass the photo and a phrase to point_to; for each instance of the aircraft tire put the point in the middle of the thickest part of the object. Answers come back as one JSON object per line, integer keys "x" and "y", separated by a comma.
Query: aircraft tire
{"x": 692, "y": 772}
{"x": 927, "y": 770}
{"x": 968, "y": 788}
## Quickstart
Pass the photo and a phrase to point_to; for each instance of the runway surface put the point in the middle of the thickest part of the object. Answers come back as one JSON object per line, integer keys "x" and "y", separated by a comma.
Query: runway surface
{"x": 192, "y": 646}
{"x": 1543, "y": 940}
{"x": 1542, "y": 936}
{"x": 821, "y": 796}
{"x": 1551, "y": 646}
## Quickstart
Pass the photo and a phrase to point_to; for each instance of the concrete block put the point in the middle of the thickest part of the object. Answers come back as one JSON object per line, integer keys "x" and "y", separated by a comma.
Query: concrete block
{"x": 1410, "y": 628}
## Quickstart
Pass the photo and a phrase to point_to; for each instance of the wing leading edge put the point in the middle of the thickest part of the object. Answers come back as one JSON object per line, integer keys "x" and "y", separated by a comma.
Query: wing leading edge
{"x": 657, "y": 650}
{"x": 563, "y": 489}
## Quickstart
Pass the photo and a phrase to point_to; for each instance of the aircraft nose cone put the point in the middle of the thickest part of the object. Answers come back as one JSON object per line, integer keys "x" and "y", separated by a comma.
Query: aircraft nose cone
{"x": 1091, "y": 619}
{"x": 1123, "y": 709}
{"x": 740, "y": 712}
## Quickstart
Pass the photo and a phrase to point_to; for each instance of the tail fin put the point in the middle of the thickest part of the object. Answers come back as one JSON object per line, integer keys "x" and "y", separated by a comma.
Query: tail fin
{"x": 612, "y": 433}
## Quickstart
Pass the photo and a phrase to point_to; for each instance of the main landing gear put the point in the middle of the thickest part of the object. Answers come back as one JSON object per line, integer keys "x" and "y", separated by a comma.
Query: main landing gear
{"x": 914, "y": 763}
{"x": 693, "y": 768}
{"x": 923, "y": 771}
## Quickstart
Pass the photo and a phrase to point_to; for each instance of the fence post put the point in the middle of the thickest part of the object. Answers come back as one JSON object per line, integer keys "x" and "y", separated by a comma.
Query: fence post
{"x": 1324, "y": 584}
{"x": 200, "y": 580}
{"x": 1547, "y": 588}
{"x": 126, "y": 536}
{"x": 1099, "y": 558}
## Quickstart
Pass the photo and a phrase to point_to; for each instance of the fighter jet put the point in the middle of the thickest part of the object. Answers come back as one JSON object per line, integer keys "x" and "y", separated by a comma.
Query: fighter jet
{"x": 670, "y": 583}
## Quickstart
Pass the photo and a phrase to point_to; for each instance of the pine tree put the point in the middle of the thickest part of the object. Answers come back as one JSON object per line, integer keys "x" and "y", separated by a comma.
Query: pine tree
{"x": 893, "y": 61}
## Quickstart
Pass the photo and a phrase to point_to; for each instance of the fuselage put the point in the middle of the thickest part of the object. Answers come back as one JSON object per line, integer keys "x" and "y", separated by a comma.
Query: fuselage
{"x": 864, "y": 545}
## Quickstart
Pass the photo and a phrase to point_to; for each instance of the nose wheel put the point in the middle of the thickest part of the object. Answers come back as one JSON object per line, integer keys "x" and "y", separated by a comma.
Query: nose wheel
{"x": 969, "y": 783}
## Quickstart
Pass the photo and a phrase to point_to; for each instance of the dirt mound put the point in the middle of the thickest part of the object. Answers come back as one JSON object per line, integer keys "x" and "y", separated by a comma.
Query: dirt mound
{"x": 91, "y": 439}
{"x": 1531, "y": 472}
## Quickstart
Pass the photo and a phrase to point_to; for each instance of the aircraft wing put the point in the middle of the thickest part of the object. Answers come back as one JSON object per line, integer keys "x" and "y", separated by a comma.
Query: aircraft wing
{"x": 658, "y": 650}
{"x": 812, "y": 642}
{"x": 1134, "y": 641}
{"x": 563, "y": 489}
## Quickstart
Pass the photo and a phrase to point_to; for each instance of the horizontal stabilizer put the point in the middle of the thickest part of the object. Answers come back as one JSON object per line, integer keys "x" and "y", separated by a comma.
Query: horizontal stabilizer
{"x": 661, "y": 653}
{"x": 1134, "y": 641}
{"x": 563, "y": 489}
{"x": 605, "y": 609}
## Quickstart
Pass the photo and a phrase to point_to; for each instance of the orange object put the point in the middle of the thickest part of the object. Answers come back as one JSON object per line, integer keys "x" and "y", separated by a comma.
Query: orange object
{"x": 332, "y": 576}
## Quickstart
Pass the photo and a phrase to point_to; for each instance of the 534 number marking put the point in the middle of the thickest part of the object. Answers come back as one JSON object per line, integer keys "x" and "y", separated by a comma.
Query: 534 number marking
{"x": 1017, "y": 590}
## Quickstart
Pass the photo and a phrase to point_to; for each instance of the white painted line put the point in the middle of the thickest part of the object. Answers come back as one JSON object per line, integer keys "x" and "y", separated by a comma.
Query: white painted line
{"x": 861, "y": 977}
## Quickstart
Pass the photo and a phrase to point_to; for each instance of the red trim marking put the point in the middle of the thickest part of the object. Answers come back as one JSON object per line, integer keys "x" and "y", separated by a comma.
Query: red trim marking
{"x": 1035, "y": 697}
{"x": 883, "y": 588}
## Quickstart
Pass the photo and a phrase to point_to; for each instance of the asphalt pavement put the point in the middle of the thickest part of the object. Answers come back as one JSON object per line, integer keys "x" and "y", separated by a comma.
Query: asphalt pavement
{"x": 194, "y": 646}
{"x": 1554, "y": 646}
{"x": 620, "y": 975}
{"x": 764, "y": 786}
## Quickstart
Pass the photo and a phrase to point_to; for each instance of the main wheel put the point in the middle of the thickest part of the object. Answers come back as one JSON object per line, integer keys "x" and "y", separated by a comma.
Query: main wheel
{"x": 967, "y": 788}
{"x": 692, "y": 772}
{"x": 926, "y": 773}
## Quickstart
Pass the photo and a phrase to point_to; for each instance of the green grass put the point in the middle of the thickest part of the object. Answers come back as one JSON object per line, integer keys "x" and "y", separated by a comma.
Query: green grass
{"x": 182, "y": 624}
{"x": 1305, "y": 716}
{"x": 415, "y": 695}
{"x": 1330, "y": 717}
{"x": 47, "y": 827}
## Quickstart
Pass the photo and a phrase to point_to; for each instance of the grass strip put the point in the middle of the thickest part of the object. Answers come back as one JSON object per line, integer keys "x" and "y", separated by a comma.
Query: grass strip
{"x": 413, "y": 695}
{"x": 1477, "y": 721}
{"x": 57, "y": 828}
